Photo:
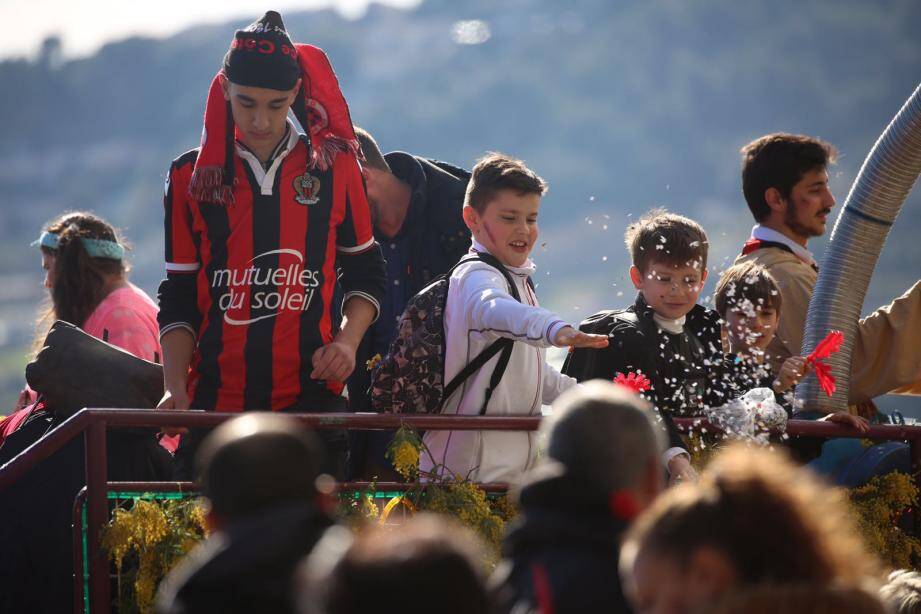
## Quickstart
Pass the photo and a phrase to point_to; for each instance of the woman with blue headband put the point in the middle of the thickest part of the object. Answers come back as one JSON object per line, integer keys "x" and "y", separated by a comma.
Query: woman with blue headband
{"x": 86, "y": 275}
{"x": 85, "y": 271}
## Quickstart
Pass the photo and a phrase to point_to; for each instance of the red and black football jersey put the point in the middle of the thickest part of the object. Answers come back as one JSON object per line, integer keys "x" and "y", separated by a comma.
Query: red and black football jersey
{"x": 254, "y": 280}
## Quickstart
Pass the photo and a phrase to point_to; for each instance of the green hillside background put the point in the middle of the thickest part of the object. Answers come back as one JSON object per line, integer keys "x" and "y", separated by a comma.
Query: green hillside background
{"x": 621, "y": 105}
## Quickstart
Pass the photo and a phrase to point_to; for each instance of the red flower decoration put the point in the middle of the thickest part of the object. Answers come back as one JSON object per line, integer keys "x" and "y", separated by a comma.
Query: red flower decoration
{"x": 635, "y": 381}
{"x": 826, "y": 347}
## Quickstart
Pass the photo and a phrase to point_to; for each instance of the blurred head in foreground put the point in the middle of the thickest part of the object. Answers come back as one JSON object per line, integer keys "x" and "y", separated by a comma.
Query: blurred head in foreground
{"x": 799, "y": 599}
{"x": 600, "y": 467}
{"x": 604, "y": 437}
{"x": 258, "y": 461}
{"x": 260, "y": 473}
{"x": 429, "y": 564}
{"x": 753, "y": 518}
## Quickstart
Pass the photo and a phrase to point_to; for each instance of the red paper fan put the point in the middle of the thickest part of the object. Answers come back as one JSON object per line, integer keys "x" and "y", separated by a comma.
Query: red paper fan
{"x": 826, "y": 347}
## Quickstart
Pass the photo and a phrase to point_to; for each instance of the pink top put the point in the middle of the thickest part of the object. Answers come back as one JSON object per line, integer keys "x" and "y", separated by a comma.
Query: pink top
{"x": 127, "y": 318}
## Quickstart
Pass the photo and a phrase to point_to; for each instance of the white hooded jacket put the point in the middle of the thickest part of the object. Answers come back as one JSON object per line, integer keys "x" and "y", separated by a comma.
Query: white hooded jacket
{"x": 479, "y": 311}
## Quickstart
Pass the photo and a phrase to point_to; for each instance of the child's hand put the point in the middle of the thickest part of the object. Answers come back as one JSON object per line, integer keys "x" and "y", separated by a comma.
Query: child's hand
{"x": 842, "y": 417}
{"x": 680, "y": 470}
{"x": 791, "y": 372}
{"x": 569, "y": 336}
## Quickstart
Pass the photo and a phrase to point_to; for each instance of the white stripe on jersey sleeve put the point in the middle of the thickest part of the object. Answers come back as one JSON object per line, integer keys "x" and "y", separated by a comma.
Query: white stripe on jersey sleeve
{"x": 367, "y": 297}
{"x": 357, "y": 249}
{"x": 181, "y": 267}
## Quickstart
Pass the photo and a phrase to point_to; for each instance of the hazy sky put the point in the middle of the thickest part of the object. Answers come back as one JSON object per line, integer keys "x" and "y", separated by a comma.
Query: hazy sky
{"x": 85, "y": 25}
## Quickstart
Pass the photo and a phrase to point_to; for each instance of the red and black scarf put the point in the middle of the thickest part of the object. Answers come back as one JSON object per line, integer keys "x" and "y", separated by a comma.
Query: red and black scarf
{"x": 320, "y": 108}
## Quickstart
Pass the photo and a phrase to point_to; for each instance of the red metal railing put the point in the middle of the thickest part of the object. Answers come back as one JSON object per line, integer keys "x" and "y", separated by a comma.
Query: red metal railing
{"x": 93, "y": 423}
{"x": 193, "y": 488}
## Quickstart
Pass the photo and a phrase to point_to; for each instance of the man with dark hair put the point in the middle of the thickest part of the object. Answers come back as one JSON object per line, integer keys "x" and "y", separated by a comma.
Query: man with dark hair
{"x": 258, "y": 219}
{"x": 416, "y": 208}
{"x": 785, "y": 183}
{"x": 600, "y": 469}
{"x": 780, "y": 161}
{"x": 259, "y": 473}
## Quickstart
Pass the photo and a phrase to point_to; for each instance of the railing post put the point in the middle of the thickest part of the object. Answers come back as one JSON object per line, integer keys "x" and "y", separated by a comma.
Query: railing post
{"x": 97, "y": 511}
{"x": 914, "y": 451}
{"x": 77, "y": 528}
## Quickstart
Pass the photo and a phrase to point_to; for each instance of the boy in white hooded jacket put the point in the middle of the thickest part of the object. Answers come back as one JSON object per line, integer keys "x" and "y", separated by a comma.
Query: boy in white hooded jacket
{"x": 500, "y": 208}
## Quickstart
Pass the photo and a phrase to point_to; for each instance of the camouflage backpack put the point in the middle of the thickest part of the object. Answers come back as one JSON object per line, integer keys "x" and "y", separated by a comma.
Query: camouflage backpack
{"x": 410, "y": 379}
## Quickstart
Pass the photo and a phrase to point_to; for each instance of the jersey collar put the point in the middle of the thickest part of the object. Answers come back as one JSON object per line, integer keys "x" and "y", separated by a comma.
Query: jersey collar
{"x": 265, "y": 177}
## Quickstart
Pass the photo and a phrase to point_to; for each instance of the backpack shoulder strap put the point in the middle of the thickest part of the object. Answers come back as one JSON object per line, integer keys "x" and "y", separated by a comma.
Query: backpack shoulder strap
{"x": 476, "y": 364}
{"x": 497, "y": 373}
{"x": 492, "y": 261}
{"x": 503, "y": 345}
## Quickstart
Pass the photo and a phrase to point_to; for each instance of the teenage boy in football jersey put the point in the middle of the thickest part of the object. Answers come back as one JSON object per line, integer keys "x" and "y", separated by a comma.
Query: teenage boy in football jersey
{"x": 255, "y": 220}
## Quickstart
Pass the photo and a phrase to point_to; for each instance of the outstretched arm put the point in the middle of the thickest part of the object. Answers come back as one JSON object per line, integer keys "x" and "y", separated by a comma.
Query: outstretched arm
{"x": 492, "y": 310}
{"x": 791, "y": 372}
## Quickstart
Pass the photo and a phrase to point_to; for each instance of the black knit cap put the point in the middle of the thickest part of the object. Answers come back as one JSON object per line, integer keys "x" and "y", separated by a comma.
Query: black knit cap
{"x": 262, "y": 55}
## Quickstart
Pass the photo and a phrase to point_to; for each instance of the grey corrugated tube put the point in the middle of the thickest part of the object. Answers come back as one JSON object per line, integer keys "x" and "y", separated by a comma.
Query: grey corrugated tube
{"x": 875, "y": 199}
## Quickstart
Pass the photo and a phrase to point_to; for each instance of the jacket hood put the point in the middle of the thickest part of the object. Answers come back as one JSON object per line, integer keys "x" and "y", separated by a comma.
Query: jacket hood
{"x": 560, "y": 509}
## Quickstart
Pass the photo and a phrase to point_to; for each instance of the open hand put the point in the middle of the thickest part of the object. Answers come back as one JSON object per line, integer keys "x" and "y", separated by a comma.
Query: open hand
{"x": 569, "y": 336}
